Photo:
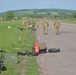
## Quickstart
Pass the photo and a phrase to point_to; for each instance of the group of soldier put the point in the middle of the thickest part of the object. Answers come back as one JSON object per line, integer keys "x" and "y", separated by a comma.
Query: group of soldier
{"x": 27, "y": 23}
{"x": 44, "y": 22}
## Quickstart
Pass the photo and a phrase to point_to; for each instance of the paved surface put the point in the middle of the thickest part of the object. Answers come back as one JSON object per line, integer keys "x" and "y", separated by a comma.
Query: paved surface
{"x": 64, "y": 62}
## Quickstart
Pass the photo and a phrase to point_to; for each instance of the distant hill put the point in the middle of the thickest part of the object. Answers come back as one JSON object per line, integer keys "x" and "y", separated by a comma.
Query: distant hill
{"x": 40, "y": 11}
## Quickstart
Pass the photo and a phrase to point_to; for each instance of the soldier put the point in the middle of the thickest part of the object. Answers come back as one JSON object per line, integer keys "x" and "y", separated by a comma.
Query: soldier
{"x": 37, "y": 22}
{"x": 45, "y": 25}
{"x": 57, "y": 24}
{"x": 27, "y": 23}
{"x": 23, "y": 22}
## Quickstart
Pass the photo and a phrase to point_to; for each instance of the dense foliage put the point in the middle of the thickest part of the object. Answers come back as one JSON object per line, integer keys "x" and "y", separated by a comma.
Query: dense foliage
{"x": 40, "y": 13}
{"x": 10, "y": 15}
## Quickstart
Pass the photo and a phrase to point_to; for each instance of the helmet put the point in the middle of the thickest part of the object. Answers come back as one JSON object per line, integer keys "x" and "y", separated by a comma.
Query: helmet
{"x": 45, "y": 18}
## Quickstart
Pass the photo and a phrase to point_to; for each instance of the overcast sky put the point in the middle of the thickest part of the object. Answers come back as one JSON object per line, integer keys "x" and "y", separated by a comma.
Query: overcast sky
{"x": 6, "y": 5}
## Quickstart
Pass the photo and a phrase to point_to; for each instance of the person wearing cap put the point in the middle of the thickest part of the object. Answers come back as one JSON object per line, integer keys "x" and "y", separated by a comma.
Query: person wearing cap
{"x": 57, "y": 25}
{"x": 45, "y": 25}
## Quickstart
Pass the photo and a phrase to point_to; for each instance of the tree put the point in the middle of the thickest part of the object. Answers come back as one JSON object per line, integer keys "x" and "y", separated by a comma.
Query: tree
{"x": 74, "y": 15}
{"x": 10, "y": 15}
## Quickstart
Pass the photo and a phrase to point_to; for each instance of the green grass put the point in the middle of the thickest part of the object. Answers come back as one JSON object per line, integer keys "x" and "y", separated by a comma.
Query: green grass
{"x": 6, "y": 37}
{"x": 69, "y": 21}
{"x": 9, "y": 38}
{"x": 65, "y": 21}
{"x": 11, "y": 70}
{"x": 32, "y": 68}
{"x": 9, "y": 42}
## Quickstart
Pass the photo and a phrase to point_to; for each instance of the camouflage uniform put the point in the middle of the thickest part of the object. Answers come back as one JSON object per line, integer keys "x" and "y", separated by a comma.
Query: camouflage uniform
{"x": 57, "y": 24}
{"x": 27, "y": 23}
{"x": 33, "y": 23}
{"x": 45, "y": 25}
{"x": 37, "y": 22}
{"x": 23, "y": 22}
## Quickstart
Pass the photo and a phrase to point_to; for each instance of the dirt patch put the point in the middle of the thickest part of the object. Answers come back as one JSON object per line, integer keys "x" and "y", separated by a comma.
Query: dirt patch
{"x": 40, "y": 71}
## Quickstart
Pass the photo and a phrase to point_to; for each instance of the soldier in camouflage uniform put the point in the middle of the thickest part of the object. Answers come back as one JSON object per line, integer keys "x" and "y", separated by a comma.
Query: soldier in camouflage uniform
{"x": 45, "y": 25}
{"x": 57, "y": 24}
{"x": 37, "y": 22}
{"x": 27, "y": 23}
{"x": 23, "y": 22}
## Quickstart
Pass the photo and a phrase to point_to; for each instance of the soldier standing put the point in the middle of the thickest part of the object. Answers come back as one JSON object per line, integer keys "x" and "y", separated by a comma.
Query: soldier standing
{"x": 37, "y": 22}
{"x": 57, "y": 24}
{"x": 23, "y": 22}
{"x": 27, "y": 23}
{"x": 45, "y": 25}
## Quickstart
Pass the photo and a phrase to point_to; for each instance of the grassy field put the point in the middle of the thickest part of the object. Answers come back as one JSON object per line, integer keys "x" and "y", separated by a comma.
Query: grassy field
{"x": 9, "y": 42}
{"x": 9, "y": 38}
{"x": 65, "y": 21}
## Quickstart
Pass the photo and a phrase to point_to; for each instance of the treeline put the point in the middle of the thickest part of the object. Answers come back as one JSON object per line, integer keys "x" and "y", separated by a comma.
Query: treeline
{"x": 39, "y": 13}
{"x": 47, "y": 10}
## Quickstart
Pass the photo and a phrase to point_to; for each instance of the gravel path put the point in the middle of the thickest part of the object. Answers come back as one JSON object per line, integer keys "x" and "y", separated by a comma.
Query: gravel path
{"x": 64, "y": 62}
